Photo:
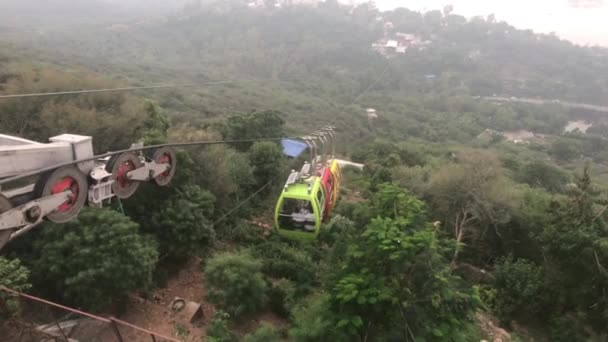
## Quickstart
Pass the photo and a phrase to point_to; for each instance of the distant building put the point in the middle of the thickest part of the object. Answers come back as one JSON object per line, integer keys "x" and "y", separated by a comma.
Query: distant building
{"x": 399, "y": 43}
{"x": 371, "y": 117}
{"x": 312, "y": 3}
{"x": 586, "y": 3}
{"x": 407, "y": 38}
{"x": 256, "y": 4}
{"x": 388, "y": 27}
{"x": 393, "y": 44}
{"x": 282, "y": 3}
{"x": 371, "y": 113}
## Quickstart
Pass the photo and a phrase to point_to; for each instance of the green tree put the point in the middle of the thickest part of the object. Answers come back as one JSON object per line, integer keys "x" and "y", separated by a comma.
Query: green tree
{"x": 391, "y": 282}
{"x": 155, "y": 127}
{"x": 314, "y": 321}
{"x": 267, "y": 162}
{"x": 94, "y": 259}
{"x": 471, "y": 196}
{"x": 218, "y": 330}
{"x": 241, "y": 174}
{"x": 256, "y": 125}
{"x": 111, "y": 118}
{"x": 183, "y": 226}
{"x": 280, "y": 260}
{"x": 264, "y": 333}
{"x": 575, "y": 249}
{"x": 392, "y": 201}
{"x": 566, "y": 149}
{"x": 236, "y": 283}
{"x": 519, "y": 289}
{"x": 541, "y": 174}
{"x": 14, "y": 276}
{"x": 395, "y": 281}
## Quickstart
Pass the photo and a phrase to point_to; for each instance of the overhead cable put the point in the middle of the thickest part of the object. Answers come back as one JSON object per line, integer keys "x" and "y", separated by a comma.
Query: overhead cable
{"x": 106, "y": 90}
{"x": 136, "y": 149}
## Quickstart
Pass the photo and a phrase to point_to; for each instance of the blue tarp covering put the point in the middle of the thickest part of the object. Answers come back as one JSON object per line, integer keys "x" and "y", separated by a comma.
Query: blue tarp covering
{"x": 293, "y": 148}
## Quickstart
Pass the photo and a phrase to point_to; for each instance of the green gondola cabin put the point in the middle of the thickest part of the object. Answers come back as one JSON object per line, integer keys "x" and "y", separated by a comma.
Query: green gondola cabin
{"x": 300, "y": 208}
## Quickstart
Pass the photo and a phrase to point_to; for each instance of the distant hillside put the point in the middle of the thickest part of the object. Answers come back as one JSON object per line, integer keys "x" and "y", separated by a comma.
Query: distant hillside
{"x": 325, "y": 54}
{"x": 478, "y": 57}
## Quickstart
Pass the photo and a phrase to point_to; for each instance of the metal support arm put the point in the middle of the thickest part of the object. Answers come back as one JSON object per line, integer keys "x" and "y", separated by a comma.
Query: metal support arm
{"x": 33, "y": 211}
{"x": 149, "y": 171}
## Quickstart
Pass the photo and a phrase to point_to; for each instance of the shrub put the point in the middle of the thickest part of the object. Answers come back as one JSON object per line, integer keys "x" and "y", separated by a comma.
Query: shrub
{"x": 566, "y": 329}
{"x": 241, "y": 231}
{"x": 279, "y": 260}
{"x": 265, "y": 333}
{"x": 97, "y": 257}
{"x": 519, "y": 285}
{"x": 281, "y": 297}
{"x": 182, "y": 226}
{"x": 15, "y": 277}
{"x": 313, "y": 321}
{"x": 544, "y": 175}
{"x": 218, "y": 331}
{"x": 236, "y": 283}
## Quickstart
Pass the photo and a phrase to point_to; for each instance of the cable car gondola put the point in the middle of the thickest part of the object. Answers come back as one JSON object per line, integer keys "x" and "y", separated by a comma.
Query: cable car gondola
{"x": 309, "y": 195}
{"x": 301, "y": 208}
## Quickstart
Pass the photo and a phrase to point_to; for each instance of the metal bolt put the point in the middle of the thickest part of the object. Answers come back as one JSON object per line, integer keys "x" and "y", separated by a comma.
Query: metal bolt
{"x": 33, "y": 214}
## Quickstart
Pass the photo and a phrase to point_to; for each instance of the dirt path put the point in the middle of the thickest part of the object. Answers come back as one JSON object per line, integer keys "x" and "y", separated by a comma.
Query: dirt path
{"x": 567, "y": 104}
{"x": 156, "y": 315}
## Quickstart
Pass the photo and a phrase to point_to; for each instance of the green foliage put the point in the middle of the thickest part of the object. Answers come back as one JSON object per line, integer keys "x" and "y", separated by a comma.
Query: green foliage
{"x": 241, "y": 174}
{"x": 393, "y": 278}
{"x": 384, "y": 284}
{"x": 566, "y": 149}
{"x": 264, "y": 333}
{"x": 181, "y": 330}
{"x": 94, "y": 259}
{"x": 183, "y": 225}
{"x": 267, "y": 161}
{"x": 217, "y": 330}
{"x": 538, "y": 173}
{"x": 218, "y": 169}
{"x": 256, "y": 125}
{"x": 519, "y": 289}
{"x": 154, "y": 128}
{"x": 566, "y": 328}
{"x": 112, "y": 118}
{"x": 359, "y": 213}
{"x": 313, "y": 321}
{"x": 240, "y": 231}
{"x": 236, "y": 283}
{"x": 575, "y": 248}
{"x": 280, "y": 260}
{"x": 471, "y": 196}
{"x": 14, "y": 276}
{"x": 282, "y": 296}
{"x": 392, "y": 201}
{"x": 377, "y": 174}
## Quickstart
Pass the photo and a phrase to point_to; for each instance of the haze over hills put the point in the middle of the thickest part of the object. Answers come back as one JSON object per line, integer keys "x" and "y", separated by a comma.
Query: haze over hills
{"x": 583, "y": 22}
{"x": 583, "y": 25}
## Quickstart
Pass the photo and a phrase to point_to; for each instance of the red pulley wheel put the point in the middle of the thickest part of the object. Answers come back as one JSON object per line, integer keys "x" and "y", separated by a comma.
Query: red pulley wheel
{"x": 119, "y": 166}
{"x": 60, "y": 180}
{"x": 165, "y": 155}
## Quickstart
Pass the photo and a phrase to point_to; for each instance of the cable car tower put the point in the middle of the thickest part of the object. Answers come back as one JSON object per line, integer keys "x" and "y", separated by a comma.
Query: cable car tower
{"x": 73, "y": 178}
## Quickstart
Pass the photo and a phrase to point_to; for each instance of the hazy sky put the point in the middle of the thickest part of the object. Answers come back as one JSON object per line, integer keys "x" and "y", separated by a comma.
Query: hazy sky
{"x": 581, "y": 25}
